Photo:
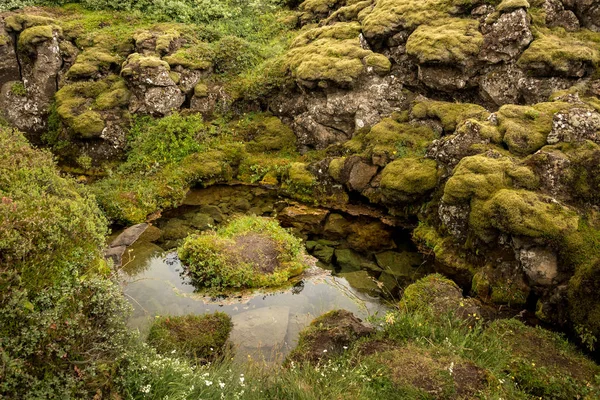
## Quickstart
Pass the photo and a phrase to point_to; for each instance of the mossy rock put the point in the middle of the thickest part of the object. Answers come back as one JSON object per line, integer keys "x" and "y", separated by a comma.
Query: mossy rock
{"x": 201, "y": 338}
{"x": 406, "y": 179}
{"x": 482, "y": 175}
{"x": 402, "y": 264}
{"x": 249, "y": 252}
{"x": 453, "y": 42}
{"x": 390, "y": 16}
{"x": 525, "y": 129}
{"x": 137, "y": 62}
{"x": 511, "y": 5}
{"x": 523, "y": 213}
{"x": 450, "y": 257}
{"x": 389, "y": 139}
{"x": 584, "y": 306}
{"x": 92, "y": 61}
{"x": 196, "y": 57}
{"x": 20, "y": 22}
{"x": 450, "y": 114}
{"x": 35, "y": 35}
{"x": 117, "y": 96}
{"x": 331, "y": 54}
{"x": 328, "y": 336}
{"x": 543, "y": 364}
{"x": 558, "y": 52}
{"x": 88, "y": 124}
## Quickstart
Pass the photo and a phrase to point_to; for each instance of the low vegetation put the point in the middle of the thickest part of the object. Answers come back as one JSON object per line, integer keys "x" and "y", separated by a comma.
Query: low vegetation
{"x": 249, "y": 252}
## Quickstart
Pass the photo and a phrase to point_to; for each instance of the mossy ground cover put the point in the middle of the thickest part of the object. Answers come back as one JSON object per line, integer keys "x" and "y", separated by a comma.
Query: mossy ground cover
{"x": 248, "y": 252}
{"x": 201, "y": 338}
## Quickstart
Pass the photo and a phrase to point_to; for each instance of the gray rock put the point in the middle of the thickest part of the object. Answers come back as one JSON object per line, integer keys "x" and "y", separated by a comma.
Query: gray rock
{"x": 506, "y": 38}
{"x": 497, "y": 84}
{"x": 154, "y": 91}
{"x": 540, "y": 265}
{"x": 115, "y": 254}
{"x": 129, "y": 235}
{"x": 9, "y": 65}
{"x": 445, "y": 78}
{"x": 321, "y": 118}
{"x": 556, "y": 15}
{"x": 575, "y": 125}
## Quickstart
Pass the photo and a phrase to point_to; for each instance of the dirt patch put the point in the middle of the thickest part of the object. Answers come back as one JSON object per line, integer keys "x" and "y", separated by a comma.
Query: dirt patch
{"x": 256, "y": 249}
{"x": 468, "y": 379}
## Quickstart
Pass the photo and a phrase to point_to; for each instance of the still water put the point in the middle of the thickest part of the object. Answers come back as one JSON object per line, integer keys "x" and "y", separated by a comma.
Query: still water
{"x": 266, "y": 324}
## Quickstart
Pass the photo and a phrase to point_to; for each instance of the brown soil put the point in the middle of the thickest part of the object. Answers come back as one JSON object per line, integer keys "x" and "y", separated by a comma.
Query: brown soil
{"x": 256, "y": 249}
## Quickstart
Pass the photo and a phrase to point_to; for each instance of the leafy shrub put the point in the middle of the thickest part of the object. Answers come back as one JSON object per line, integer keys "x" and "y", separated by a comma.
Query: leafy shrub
{"x": 51, "y": 227}
{"x": 249, "y": 252}
{"x": 199, "y": 337}
{"x": 64, "y": 341}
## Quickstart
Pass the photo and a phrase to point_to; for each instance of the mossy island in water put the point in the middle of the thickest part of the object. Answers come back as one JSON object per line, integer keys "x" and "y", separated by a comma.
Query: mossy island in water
{"x": 248, "y": 252}
{"x": 200, "y": 338}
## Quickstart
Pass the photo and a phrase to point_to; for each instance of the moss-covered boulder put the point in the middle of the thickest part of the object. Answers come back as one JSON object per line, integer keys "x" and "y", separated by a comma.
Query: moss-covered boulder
{"x": 328, "y": 336}
{"x": 544, "y": 364}
{"x": 201, "y": 338}
{"x": 407, "y": 179}
{"x": 332, "y": 54}
{"x": 249, "y": 252}
{"x": 439, "y": 296}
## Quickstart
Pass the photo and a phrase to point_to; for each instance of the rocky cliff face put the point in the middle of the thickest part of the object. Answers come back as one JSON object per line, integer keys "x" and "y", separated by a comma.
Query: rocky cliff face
{"x": 478, "y": 119}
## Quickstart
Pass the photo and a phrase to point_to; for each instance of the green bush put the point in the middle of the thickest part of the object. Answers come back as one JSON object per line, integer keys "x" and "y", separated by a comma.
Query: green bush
{"x": 249, "y": 252}
{"x": 202, "y": 338}
{"x": 51, "y": 227}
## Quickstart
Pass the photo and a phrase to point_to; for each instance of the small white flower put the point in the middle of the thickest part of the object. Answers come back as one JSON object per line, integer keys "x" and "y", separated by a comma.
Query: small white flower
{"x": 345, "y": 347}
{"x": 325, "y": 351}
{"x": 208, "y": 383}
{"x": 145, "y": 389}
{"x": 222, "y": 385}
{"x": 173, "y": 352}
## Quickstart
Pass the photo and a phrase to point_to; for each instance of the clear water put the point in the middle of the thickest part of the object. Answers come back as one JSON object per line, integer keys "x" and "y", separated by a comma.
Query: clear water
{"x": 266, "y": 325}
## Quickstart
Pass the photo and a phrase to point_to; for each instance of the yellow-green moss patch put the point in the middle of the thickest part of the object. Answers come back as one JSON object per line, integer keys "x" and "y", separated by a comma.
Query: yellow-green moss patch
{"x": 451, "y": 42}
{"x": 406, "y": 178}
{"x": 450, "y": 114}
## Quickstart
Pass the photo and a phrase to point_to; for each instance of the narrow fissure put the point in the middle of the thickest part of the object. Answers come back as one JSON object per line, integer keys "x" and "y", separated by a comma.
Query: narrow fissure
{"x": 15, "y": 38}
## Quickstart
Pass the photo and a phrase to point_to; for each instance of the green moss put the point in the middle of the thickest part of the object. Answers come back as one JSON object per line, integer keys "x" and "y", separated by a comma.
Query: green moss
{"x": 481, "y": 176}
{"x": 196, "y": 57}
{"x": 523, "y": 213}
{"x": 136, "y": 61}
{"x": 449, "y": 256}
{"x": 525, "y": 128}
{"x": 453, "y": 41}
{"x": 117, "y": 96}
{"x": 543, "y": 363}
{"x": 390, "y": 16}
{"x": 18, "y": 89}
{"x": 407, "y": 178}
{"x": 426, "y": 292}
{"x": 201, "y": 90}
{"x": 4, "y": 40}
{"x": 163, "y": 41}
{"x": 380, "y": 63}
{"x": 510, "y": 5}
{"x": 35, "y": 35}
{"x": 391, "y": 139}
{"x": 91, "y": 61}
{"x": 331, "y": 53}
{"x": 335, "y": 168}
{"x": 558, "y": 52}
{"x": 21, "y": 22}
{"x": 266, "y": 133}
{"x": 88, "y": 124}
{"x": 450, "y": 114}
{"x": 201, "y": 338}
{"x": 249, "y": 252}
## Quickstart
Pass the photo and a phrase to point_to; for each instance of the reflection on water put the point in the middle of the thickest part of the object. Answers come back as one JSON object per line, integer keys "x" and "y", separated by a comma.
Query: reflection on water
{"x": 265, "y": 324}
